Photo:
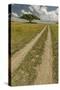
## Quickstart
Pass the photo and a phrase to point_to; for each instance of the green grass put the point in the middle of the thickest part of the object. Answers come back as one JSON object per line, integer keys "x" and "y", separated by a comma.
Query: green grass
{"x": 54, "y": 32}
{"x": 22, "y": 33}
{"x": 26, "y": 72}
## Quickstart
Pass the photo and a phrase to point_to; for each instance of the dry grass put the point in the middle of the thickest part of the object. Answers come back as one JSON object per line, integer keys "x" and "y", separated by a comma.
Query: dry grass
{"x": 54, "y": 32}
{"x": 22, "y": 33}
{"x": 26, "y": 72}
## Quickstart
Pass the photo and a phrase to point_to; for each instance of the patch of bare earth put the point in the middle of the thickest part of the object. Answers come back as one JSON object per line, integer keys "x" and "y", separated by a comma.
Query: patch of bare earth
{"x": 20, "y": 55}
{"x": 44, "y": 70}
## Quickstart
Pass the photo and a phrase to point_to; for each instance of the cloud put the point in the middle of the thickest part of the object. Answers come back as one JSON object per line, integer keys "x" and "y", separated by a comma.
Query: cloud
{"x": 39, "y": 11}
{"x": 53, "y": 16}
{"x": 15, "y": 14}
{"x": 35, "y": 10}
{"x": 30, "y": 7}
{"x": 43, "y": 13}
{"x": 25, "y": 12}
{"x": 57, "y": 10}
{"x": 43, "y": 10}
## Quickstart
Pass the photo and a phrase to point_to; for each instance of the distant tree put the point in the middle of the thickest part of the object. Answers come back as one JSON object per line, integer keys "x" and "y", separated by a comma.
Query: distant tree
{"x": 29, "y": 17}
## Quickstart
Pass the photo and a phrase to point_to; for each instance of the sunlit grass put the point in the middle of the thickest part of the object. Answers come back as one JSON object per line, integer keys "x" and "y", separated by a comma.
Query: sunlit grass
{"x": 54, "y": 32}
{"x": 22, "y": 33}
{"x": 26, "y": 72}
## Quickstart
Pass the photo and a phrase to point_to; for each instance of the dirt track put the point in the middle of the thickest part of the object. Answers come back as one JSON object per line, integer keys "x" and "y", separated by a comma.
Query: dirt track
{"x": 20, "y": 55}
{"x": 44, "y": 70}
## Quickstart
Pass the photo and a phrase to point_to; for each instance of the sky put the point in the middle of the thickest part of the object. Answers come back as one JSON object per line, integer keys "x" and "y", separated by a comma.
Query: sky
{"x": 45, "y": 13}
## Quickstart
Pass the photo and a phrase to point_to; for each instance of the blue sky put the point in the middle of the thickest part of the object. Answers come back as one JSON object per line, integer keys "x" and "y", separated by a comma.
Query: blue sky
{"x": 45, "y": 13}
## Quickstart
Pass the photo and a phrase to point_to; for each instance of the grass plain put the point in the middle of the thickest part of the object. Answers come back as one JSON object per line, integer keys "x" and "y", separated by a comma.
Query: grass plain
{"x": 23, "y": 33}
{"x": 54, "y": 33}
{"x": 26, "y": 72}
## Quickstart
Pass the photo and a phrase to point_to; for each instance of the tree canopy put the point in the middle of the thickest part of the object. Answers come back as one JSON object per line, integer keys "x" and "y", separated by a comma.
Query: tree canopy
{"x": 29, "y": 17}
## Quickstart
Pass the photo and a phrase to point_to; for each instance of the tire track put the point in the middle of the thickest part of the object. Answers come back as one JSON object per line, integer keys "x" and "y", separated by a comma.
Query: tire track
{"x": 44, "y": 70}
{"x": 20, "y": 55}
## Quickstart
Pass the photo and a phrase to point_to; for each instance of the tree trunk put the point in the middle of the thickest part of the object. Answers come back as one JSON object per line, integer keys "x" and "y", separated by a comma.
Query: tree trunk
{"x": 30, "y": 21}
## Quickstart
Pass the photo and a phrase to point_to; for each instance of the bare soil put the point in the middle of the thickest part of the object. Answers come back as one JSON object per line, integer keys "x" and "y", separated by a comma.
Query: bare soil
{"x": 44, "y": 70}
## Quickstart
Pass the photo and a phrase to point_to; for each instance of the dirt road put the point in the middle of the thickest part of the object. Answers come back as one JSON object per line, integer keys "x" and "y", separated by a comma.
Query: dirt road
{"x": 20, "y": 55}
{"x": 44, "y": 70}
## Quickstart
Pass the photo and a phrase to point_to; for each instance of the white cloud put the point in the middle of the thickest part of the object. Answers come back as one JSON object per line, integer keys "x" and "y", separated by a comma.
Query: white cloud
{"x": 53, "y": 16}
{"x": 14, "y": 14}
{"x": 57, "y": 10}
{"x": 35, "y": 10}
{"x": 43, "y": 10}
{"x": 31, "y": 8}
{"x": 44, "y": 14}
{"x": 25, "y": 12}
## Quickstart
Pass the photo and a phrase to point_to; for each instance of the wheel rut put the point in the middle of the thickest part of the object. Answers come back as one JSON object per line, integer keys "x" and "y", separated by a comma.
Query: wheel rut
{"x": 44, "y": 70}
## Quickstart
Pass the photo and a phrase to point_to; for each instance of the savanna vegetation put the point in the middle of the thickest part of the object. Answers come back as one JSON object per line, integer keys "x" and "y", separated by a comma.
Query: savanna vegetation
{"x": 26, "y": 72}
{"x": 54, "y": 34}
{"x": 22, "y": 33}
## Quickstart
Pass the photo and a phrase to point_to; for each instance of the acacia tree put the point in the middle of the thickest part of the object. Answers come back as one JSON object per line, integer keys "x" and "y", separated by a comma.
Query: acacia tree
{"x": 29, "y": 17}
